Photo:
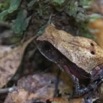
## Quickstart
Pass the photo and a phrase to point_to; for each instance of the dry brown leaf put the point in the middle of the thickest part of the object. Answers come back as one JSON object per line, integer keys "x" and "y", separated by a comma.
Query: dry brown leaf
{"x": 40, "y": 87}
{"x": 61, "y": 100}
{"x": 10, "y": 59}
{"x": 84, "y": 52}
{"x": 4, "y": 50}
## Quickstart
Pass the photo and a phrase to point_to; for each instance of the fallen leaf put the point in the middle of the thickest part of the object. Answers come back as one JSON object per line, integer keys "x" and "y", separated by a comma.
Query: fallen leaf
{"x": 84, "y": 52}
{"x": 38, "y": 87}
{"x": 10, "y": 59}
{"x": 35, "y": 87}
{"x": 61, "y": 100}
{"x": 4, "y": 50}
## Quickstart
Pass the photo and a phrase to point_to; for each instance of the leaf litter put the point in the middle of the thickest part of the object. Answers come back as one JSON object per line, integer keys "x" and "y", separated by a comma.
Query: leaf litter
{"x": 42, "y": 14}
{"x": 10, "y": 59}
{"x": 39, "y": 88}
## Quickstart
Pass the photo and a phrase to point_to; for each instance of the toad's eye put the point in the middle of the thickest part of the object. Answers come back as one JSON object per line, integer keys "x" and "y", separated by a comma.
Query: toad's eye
{"x": 92, "y": 52}
{"x": 92, "y": 44}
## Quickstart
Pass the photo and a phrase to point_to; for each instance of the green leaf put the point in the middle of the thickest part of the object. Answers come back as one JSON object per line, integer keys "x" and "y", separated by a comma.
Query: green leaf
{"x": 58, "y": 2}
{"x": 88, "y": 36}
{"x": 94, "y": 16}
{"x": 3, "y": 15}
{"x": 31, "y": 3}
{"x": 86, "y": 3}
{"x": 26, "y": 22}
{"x": 4, "y": 5}
{"x": 21, "y": 22}
{"x": 14, "y": 4}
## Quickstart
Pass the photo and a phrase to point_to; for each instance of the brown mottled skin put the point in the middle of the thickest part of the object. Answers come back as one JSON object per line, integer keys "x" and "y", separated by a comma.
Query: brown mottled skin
{"x": 84, "y": 52}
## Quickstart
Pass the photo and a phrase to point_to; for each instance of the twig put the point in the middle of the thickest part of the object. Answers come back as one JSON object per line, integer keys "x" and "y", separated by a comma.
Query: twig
{"x": 6, "y": 90}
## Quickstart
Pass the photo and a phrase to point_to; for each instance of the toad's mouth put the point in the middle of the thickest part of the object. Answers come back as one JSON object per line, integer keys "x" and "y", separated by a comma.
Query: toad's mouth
{"x": 52, "y": 54}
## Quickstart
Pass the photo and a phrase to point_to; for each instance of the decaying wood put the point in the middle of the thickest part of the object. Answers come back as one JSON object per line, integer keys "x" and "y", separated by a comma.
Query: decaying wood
{"x": 84, "y": 52}
{"x": 10, "y": 59}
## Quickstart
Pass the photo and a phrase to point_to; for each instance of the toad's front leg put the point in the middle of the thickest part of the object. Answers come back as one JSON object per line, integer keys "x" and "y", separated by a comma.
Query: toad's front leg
{"x": 80, "y": 91}
{"x": 96, "y": 80}
{"x": 84, "y": 91}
